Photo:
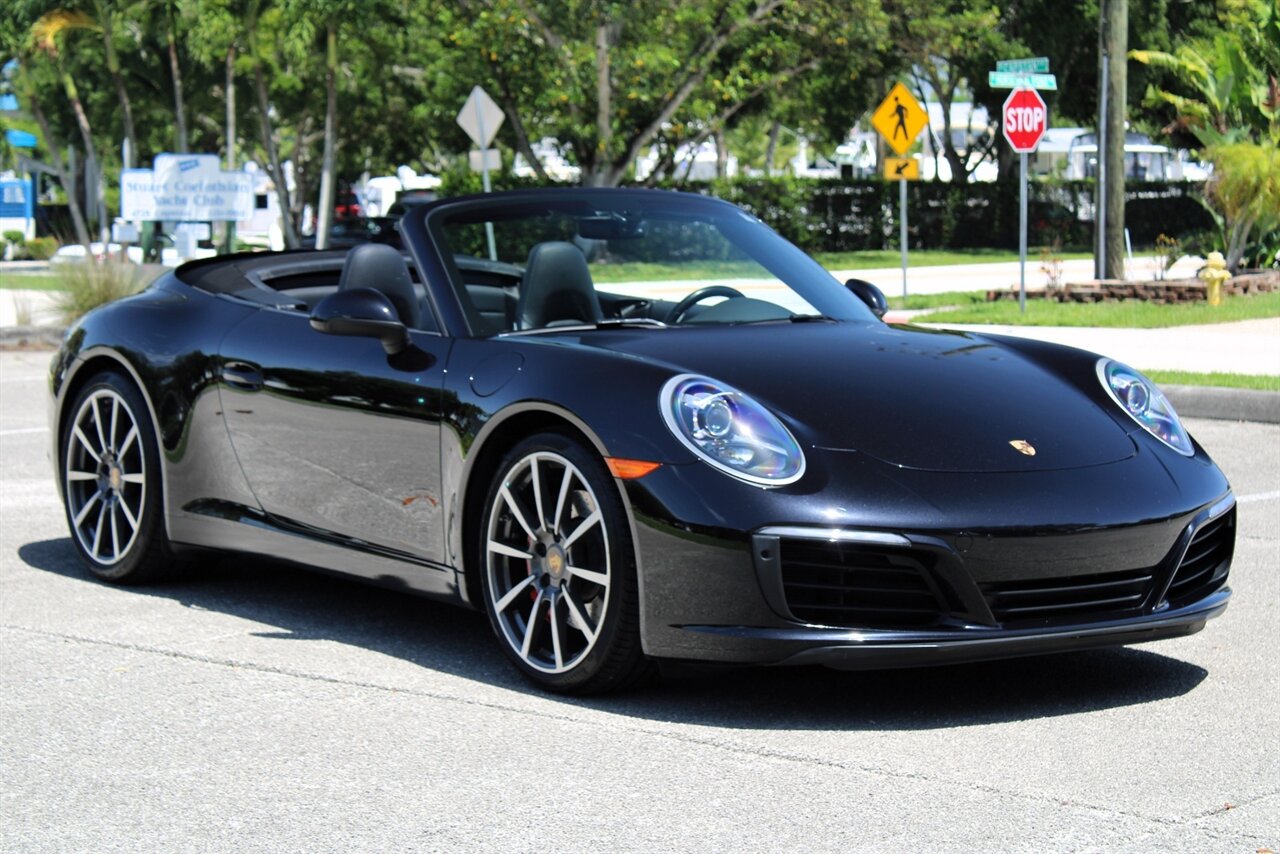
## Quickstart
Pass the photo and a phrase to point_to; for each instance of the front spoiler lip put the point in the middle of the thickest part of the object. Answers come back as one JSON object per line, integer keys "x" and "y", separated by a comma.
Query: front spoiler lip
{"x": 877, "y": 648}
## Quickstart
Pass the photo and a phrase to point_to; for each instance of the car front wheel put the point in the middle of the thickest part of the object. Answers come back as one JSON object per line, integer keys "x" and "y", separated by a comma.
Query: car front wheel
{"x": 559, "y": 569}
{"x": 111, "y": 482}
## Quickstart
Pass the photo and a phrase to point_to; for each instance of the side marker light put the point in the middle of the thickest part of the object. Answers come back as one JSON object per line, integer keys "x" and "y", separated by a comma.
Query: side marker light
{"x": 629, "y": 469}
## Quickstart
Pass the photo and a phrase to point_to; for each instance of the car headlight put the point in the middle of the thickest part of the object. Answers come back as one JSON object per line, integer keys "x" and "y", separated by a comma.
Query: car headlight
{"x": 731, "y": 431}
{"x": 1144, "y": 403}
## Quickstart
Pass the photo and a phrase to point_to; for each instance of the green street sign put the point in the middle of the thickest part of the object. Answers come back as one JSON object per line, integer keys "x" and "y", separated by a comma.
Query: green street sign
{"x": 1032, "y": 65}
{"x": 1019, "y": 80}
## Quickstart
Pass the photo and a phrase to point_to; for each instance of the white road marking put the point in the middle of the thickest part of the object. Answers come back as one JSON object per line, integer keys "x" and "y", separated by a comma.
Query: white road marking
{"x": 1259, "y": 496}
{"x": 23, "y": 431}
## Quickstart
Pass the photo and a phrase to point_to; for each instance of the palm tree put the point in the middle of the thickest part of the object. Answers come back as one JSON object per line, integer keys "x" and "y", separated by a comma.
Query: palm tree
{"x": 47, "y": 33}
{"x": 1217, "y": 78}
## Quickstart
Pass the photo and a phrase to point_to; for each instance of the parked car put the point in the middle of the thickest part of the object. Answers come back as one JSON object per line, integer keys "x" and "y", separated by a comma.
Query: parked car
{"x": 353, "y": 231}
{"x": 695, "y": 447}
{"x": 347, "y": 205}
{"x": 409, "y": 200}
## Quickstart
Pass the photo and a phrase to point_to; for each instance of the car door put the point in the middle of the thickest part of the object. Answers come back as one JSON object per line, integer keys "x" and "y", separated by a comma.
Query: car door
{"x": 335, "y": 436}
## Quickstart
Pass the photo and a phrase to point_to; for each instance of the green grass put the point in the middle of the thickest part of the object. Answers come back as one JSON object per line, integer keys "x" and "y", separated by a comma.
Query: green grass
{"x": 1128, "y": 314}
{"x": 946, "y": 299}
{"x": 867, "y": 260}
{"x": 872, "y": 258}
{"x": 642, "y": 271}
{"x": 30, "y": 282}
{"x": 1257, "y": 382}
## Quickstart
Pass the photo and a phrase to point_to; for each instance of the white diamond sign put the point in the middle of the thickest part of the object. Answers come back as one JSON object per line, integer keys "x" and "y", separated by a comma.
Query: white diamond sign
{"x": 481, "y": 117}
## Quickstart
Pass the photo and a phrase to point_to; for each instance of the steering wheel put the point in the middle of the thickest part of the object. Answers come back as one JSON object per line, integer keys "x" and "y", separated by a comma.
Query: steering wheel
{"x": 698, "y": 296}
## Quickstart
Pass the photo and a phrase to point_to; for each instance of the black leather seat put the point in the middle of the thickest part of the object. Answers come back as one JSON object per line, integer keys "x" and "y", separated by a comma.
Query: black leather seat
{"x": 383, "y": 268}
{"x": 557, "y": 288}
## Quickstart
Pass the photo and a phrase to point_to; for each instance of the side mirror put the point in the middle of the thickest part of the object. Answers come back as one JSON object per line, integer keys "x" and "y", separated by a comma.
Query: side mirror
{"x": 362, "y": 312}
{"x": 870, "y": 294}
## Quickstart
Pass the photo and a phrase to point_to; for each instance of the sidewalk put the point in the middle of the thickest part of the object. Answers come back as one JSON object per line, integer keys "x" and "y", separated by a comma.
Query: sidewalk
{"x": 1243, "y": 347}
{"x": 985, "y": 277}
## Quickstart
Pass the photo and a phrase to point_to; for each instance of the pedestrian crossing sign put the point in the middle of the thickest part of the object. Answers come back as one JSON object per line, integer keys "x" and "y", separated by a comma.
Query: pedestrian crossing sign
{"x": 899, "y": 118}
{"x": 901, "y": 169}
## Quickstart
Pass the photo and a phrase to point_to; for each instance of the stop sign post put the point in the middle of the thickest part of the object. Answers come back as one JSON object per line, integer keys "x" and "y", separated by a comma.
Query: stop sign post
{"x": 1024, "y": 120}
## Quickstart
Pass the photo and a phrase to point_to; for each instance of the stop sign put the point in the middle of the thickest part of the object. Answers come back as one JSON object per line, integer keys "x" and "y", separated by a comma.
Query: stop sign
{"x": 1024, "y": 119}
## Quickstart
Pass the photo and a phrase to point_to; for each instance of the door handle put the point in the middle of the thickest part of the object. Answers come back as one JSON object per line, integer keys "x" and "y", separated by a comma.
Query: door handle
{"x": 242, "y": 375}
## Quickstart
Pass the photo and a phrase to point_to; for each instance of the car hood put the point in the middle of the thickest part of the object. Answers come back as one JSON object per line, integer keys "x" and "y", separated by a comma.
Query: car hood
{"x": 912, "y": 397}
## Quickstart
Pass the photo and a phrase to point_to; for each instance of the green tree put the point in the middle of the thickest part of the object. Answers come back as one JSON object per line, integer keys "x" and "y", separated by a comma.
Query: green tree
{"x": 941, "y": 41}
{"x": 48, "y": 35}
{"x": 1245, "y": 189}
{"x": 608, "y": 79}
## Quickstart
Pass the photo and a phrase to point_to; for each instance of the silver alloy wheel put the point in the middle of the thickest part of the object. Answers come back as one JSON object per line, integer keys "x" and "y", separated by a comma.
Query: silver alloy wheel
{"x": 105, "y": 477}
{"x": 547, "y": 559}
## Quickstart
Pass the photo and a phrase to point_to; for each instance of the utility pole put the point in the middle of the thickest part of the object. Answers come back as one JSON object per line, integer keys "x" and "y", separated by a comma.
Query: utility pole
{"x": 1113, "y": 42}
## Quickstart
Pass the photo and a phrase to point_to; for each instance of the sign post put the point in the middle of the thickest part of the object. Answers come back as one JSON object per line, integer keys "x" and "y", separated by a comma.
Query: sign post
{"x": 899, "y": 119}
{"x": 480, "y": 117}
{"x": 1024, "y": 120}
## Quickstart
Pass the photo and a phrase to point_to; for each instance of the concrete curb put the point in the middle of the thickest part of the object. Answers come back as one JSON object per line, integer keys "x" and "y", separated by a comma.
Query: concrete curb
{"x": 31, "y": 337}
{"x": 1228, "y": 404}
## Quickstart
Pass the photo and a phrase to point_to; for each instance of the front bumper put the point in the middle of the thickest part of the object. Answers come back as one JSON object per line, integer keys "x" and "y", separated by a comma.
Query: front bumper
{"x": 871, "y": 650}
{"x": 729, "y": 596}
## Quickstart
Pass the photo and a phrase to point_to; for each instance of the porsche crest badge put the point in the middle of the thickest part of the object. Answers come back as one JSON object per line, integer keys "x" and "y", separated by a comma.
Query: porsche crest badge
{"x": 1022, "y": 446}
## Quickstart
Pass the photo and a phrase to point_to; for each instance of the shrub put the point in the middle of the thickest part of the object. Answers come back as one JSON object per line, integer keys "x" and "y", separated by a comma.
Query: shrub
{"x": 89, "y": 284}
{"x": 42, "y": 248}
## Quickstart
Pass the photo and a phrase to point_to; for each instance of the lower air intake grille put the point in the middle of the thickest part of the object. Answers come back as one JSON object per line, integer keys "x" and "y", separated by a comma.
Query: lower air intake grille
{"x": 852, "y": 585}
{"x": 1077, "y": 598}
{"x": 1204, "y": 567}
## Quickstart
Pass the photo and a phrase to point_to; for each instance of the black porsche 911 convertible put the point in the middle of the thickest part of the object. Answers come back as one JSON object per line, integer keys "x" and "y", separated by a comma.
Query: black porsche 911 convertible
{"x": 637, "y": 426}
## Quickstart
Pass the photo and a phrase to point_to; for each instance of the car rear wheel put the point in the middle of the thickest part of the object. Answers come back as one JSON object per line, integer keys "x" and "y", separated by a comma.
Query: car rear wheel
{"x": 559, "y": 569}
{"x": 111, "y": 482}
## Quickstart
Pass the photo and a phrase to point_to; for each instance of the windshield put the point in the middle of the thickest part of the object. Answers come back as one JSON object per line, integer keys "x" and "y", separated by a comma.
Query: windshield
{"x": 646, "y": 259}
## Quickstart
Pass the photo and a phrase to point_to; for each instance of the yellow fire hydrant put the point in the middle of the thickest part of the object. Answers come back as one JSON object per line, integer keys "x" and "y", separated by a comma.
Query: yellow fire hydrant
{"x": 1214, "y": 274}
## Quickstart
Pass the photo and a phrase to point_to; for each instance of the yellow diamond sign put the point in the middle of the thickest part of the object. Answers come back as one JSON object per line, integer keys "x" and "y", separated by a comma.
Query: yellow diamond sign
{"x": 899, "y": 118}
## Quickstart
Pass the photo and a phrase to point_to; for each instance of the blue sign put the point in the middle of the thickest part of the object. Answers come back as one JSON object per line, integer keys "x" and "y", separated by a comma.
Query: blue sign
{"x": 20, "y": 138}
{"x": 15, "y": 200}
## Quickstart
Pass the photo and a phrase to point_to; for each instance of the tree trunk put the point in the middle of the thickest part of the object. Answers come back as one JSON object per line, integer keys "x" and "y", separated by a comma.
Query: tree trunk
{"x": 229, "y": 228}
{"x": 267, "y": 131}
{"x": 113, "y": 67}
{"x": 522, "y": 139}
{"x": 1238, "y": 241}
{"x": 90, "y": 155}
{"x": 324, "y": 216}
{"x": 232, "y": 153}
{"x": 959, "y": 175}
{"x": 722, "y": 156}
{"x": 179, "y": 109}
{"x": 771, "y": 150}
{"x": 55, "y": 154}
{"x": 1115, "y": 37}
{"x": 604, "y": 91}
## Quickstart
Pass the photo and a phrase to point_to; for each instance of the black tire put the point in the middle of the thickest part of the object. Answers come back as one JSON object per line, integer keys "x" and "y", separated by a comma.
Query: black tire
{"x": 570, "y": 571}
{"x": 109, "y": 466}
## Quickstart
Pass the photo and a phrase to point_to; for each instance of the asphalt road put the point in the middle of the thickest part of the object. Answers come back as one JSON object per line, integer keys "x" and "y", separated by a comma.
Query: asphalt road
{"x": 252, "y": 707}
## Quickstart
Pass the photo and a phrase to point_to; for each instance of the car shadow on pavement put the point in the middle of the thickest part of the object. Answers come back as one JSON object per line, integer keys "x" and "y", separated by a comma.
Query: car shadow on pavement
{"x": 307, "y": 605}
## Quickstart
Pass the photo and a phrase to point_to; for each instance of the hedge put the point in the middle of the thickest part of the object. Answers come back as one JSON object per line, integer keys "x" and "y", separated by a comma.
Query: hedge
{"x": 839, "y": 216}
